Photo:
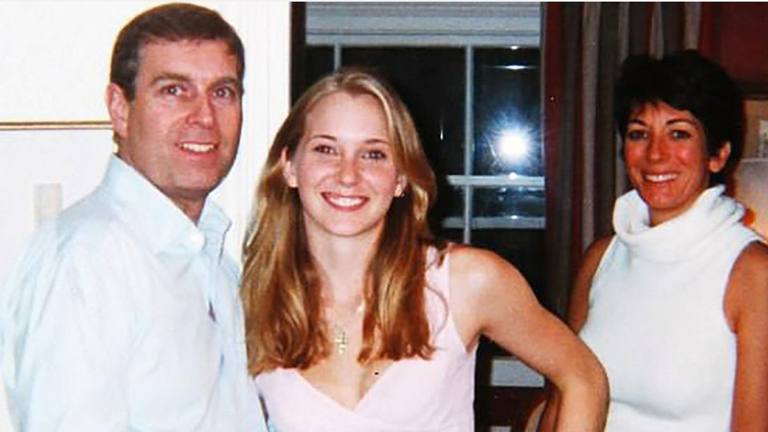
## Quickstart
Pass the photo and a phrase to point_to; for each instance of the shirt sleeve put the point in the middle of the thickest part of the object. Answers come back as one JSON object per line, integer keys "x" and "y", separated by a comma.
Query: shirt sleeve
{"x": 72, "y": 342}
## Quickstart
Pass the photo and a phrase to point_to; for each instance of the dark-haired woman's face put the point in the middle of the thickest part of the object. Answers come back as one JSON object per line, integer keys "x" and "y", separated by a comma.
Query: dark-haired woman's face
{"x": 667, "y": 160}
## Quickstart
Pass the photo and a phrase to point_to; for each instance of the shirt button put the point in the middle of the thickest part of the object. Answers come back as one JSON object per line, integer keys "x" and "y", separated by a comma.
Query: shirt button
{"x": 197, "y": 240}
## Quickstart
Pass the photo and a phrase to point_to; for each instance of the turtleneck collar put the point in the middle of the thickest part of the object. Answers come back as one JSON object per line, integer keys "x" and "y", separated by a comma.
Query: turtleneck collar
{"x": 677, "y": 238}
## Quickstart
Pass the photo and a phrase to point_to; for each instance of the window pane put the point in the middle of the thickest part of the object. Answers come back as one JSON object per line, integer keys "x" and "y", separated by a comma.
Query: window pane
{"x": 506, "y": 112}
{"x": 450, "y": 201}
{"x": 430, "y": 82}
{"x": 319, "y": 62}
{"x": 508, "y": 201}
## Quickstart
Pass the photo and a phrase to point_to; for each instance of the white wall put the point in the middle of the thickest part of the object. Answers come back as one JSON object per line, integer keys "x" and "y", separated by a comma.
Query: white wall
{"x": 54, "y": 68}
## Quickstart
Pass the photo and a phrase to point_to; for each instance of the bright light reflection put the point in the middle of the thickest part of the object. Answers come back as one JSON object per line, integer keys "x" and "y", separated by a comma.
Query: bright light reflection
{"x": 513, "y": 145}
{"x": 517, "y": 67}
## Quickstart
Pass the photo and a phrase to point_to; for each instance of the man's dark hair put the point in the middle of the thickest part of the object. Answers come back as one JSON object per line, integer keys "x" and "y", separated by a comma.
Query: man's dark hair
{"x": 686, "y": 81}
{"x": 171, "y": 22}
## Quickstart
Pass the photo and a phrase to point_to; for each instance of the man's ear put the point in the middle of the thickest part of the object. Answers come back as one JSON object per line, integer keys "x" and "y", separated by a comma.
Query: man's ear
{"x": 289, "y": 172}
{"x": 717, "y": 162}
{"x": 119, "y": 109}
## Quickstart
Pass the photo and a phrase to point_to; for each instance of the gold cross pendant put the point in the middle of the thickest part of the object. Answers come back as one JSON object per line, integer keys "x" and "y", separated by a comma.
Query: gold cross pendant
{"x": 340, "y": 339}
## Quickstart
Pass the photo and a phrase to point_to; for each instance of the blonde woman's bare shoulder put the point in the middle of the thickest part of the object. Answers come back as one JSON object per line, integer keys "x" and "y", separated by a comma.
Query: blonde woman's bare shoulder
{"x": 476, "y": 262}
{"x": 486, "y": 290}
{"x": 480, "y": 280}
{"x": 480, "y": 272}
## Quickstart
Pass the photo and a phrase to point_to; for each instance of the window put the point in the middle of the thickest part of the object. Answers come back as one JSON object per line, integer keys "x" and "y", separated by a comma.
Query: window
{"x": 469, "y": 72}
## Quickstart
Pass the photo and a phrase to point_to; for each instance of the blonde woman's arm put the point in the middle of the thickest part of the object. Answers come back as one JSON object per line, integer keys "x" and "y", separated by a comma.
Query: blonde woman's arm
{"x": 489, "y": 296}
{"x": 578, "y": 310}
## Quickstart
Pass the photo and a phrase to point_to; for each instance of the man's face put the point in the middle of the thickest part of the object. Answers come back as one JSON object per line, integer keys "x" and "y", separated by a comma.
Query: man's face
{"x": 182, "y": 129}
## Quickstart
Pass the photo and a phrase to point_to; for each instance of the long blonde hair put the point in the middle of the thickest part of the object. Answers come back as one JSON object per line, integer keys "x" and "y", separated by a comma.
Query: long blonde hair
{"x": 284, "y": 317}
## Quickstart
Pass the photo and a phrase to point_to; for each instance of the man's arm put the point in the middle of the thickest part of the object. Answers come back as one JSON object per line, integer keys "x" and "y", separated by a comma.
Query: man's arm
{"x": 71, "y": 342}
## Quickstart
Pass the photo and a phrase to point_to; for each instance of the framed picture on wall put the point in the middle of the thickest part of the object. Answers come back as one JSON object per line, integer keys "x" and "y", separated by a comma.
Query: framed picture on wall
{"x": 756, "y": 127}
{"x": 751, "y": 177}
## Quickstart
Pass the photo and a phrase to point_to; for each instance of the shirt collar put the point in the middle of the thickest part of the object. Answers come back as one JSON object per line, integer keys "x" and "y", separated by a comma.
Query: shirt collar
{"x": 157, "y": 219}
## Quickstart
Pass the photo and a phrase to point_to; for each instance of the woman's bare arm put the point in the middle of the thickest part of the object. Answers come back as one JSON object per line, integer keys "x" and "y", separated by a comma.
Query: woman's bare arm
{"x": 490, "y": 296}
{"x": 746, "y": 308}
{"x": 578, "y": 308}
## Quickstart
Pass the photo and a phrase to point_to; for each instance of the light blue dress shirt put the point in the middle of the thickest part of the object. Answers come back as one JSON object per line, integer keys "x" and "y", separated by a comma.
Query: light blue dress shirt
{"x": 123, "y": 315}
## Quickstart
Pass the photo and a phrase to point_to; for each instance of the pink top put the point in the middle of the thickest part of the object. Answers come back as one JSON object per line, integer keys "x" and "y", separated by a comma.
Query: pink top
{"x": 412, "y": 395}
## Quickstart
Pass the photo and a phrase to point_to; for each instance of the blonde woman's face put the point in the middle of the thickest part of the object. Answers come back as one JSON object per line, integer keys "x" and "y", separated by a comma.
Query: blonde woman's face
{"x": 344, "y": 168}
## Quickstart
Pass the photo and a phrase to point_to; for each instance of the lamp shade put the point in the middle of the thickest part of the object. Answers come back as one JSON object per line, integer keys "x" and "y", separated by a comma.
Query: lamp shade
{"x": 752, "y": 191}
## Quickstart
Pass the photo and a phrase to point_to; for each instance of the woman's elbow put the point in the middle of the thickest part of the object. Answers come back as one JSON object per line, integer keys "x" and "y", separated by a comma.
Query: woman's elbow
{"x": 587, "y": 390}
{"x": 590, "y": 381}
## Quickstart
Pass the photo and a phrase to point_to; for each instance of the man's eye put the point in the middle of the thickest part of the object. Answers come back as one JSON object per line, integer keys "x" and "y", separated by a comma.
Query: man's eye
{"x": 172, "y": 90}
{"x": 225, "y": 92}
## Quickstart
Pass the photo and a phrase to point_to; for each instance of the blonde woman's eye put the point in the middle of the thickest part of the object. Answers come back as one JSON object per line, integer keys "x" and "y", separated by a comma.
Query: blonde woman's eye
{"x": 375, "y": 155}
{"x": 323, "y": 149}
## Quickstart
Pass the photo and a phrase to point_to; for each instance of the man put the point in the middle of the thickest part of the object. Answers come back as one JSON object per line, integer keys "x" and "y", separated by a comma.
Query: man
{"x": 123, "y": 314}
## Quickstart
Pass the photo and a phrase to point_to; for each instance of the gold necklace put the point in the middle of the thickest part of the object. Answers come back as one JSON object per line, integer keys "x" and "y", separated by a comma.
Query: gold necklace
{"x": 340, "y": 339}
{"x": 340, "y": 336}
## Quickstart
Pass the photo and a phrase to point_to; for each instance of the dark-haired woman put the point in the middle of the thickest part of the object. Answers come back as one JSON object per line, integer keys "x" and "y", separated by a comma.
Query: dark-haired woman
{"x": 675, "y": 304}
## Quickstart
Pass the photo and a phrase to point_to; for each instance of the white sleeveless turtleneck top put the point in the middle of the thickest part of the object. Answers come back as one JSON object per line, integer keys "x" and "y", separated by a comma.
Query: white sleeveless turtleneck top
{"x": 656, "y": 316}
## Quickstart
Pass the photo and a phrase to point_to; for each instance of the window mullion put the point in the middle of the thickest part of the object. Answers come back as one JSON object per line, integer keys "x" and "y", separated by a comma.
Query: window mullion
{"x": 337, "y": 55}
{"x": 469, "y": 146}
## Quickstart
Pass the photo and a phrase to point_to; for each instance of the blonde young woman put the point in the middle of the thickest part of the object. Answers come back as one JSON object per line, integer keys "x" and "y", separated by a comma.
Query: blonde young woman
{"x": 357, "y": 319}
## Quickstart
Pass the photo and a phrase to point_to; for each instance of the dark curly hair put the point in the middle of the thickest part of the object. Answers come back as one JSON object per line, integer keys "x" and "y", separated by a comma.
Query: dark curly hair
{"x": 686, "y": 81}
